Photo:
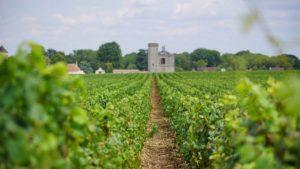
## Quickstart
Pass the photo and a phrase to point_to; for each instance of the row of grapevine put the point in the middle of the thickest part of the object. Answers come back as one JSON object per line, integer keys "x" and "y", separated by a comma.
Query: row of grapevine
{"x": 119, "y": 115}
{"x": 220, "y": 126}
{"x": 51, "y": 120}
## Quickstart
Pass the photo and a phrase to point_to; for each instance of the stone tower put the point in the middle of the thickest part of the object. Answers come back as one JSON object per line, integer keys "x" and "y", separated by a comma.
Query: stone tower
{"x": 3, "y": 51}
{"x": 162, "y": 61}
{"x": 152, "y": 57}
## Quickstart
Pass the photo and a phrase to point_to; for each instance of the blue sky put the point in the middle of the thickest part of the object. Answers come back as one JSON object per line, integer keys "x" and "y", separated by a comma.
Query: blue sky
{"x": 181, "y": 25}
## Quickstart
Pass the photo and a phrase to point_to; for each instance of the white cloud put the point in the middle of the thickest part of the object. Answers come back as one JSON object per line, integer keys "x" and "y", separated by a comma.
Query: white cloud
{"x": 197, "y": 8}
{"x": 142, "y": 2}
{"x": 108, "y": 21}
{"x": 179, "y": 31}
{"x": 64, "y": 19}
{"x": 92, "y": 17}
{"x": 32, "y": 26}
{"x": 196, "y": 23}
{"x": 28, "y": 19}
{"x": 129, "y": 12}
{"x": 87, "y": 17}
{"x": 1, "y": 20}
{"x": 230, "y": 24}
{"x": 37, "y": 32}
{"x": 60, "y": 31}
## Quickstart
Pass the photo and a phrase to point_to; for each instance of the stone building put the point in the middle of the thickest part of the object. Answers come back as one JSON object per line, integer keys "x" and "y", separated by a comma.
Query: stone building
{"x": 3, "y": 51}
{"x": 127, "y": 71}
{"x": 277, "y": 68}
{"x": 160, "y": 61}
{"x": 209, "y": 69}
{"x": 74, "y": 69}
{"x": 100, "y": 71}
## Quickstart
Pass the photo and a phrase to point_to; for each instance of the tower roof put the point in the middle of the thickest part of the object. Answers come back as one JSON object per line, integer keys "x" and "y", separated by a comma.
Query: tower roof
{"x": 73, "y": 68}
{"x": 152, "y": 44}
{"x": 163, "y": 52}
{"x": 3, "y": 50}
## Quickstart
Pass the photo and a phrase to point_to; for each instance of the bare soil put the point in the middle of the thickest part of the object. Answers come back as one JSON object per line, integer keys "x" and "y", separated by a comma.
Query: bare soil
{"x": 160, "y": 152}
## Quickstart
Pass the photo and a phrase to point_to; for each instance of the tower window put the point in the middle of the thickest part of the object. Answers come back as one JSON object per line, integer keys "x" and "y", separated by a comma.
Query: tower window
{"x": 162, "y": 61}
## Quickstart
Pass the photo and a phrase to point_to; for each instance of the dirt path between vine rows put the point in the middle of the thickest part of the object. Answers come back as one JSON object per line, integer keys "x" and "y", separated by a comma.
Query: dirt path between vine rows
{"x": 160, "y": 152}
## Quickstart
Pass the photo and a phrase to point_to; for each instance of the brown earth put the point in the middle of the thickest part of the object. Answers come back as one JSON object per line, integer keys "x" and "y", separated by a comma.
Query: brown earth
{"x": 160, "y": 152}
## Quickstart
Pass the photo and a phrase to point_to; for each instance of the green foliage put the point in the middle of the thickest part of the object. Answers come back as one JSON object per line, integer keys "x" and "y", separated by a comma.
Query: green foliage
{"x": 285, "y": 61}
{"x": 53, "y": 56}
{"x": 49, "y": 53}
{"x": 131, "y": 66}
{"x": 254, "y": 61}
{"x": 110, "y": 53}
{"x": 258, "y": 61}
{"x": 128, "y": 61}
{"x": 118, "y": 118}
{"x": 211, "y": 57}
{"x": 142, "y": 60}
{"x": 232, "y": 62}
{"x": 201, "y": 63}
{"x": 183, "y": 61}
{"x": 217, "y": 126}
{"x": 86, "y": 67}
{"x": 265, "y": 125}
{"x": 41, "y": 124}
{"x": 88, "y": 56}
{"x": 243, "y": 52}
{"x": 58, "y": 57}
{"x": 293, "y": 59}
{"x": 108, "y": 67}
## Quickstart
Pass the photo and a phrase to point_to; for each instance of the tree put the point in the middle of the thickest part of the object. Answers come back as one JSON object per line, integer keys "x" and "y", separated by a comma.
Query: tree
{"x": 212, "y": 57}
{"x": 58, "y": 57}
{"x": 108, "y": 67}
{"x": 131, "y": 66}
{"x": 247, "y": 60}
{"x": 284, "y": 61}
{"x": 257, "y": 61}
{"x": 70, "y": 58}
{"x": 243, "y": 52}
{"x": 232, "y": 62}
{"x": 54, "y": 56}
{"x": 129, "y": 60}
{"x": 87, "y": 55}
{"x": 293, "y": 59}
{"x": 201, "y": 63}
{"x": 86, "y": 67}
{"x": 183, "y": 61}
{"x": 48, "y": 61}
{"x": 142, "y": 60}
{"x": 110, "y": 53}
{"x": 50, "y": 52}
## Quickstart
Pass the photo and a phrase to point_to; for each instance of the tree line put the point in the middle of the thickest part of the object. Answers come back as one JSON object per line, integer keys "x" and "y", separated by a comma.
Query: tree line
{"x": 242, "y": 60}
{"x": 109, "y": 56}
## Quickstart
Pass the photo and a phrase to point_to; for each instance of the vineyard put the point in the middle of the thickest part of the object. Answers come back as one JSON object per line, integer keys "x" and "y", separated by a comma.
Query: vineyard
{"x": 222, "y": 122}
{"x": 49, "y": 119}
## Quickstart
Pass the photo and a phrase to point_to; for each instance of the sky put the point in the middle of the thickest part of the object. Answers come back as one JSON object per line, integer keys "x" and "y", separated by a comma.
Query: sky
{"x": 180, "y": 25}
